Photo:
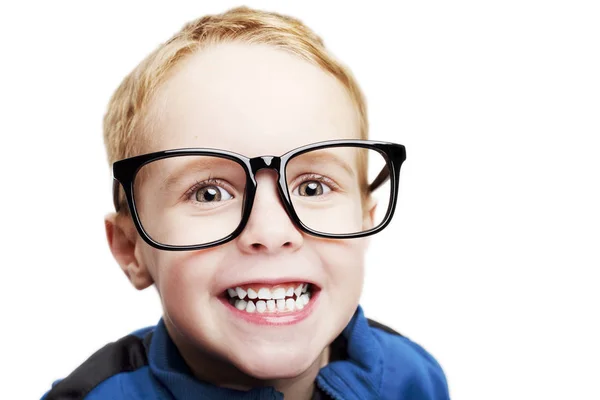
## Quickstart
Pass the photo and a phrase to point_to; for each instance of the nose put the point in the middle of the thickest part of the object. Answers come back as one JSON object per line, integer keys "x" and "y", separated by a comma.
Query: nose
{"x": 269, "y": 228}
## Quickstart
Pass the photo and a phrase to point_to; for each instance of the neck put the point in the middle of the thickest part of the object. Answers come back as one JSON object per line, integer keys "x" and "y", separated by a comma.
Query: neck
{"x": 217, "y": 371}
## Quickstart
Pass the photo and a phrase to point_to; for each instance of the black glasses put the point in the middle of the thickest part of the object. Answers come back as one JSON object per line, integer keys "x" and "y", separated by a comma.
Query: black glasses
{"x": 194, "y": 198}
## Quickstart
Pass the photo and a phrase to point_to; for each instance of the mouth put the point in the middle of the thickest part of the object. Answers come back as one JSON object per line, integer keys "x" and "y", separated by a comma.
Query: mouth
{"x": 283, "y": 303}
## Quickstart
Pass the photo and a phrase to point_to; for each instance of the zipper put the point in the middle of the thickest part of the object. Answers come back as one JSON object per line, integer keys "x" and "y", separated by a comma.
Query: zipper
{"x": 324, "y": 386}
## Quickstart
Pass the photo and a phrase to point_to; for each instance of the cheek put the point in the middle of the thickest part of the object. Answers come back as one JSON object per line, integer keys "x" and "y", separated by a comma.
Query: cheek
{"x": 183, "y": 279}
{"x": 344, "y": 263}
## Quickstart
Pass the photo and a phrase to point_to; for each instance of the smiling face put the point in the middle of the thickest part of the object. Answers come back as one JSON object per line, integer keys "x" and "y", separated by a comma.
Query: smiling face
{"x": 254, "y": 100}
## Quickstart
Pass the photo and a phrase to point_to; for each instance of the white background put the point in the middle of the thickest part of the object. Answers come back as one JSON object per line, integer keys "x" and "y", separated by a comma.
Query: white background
{"x": 492, "y": 260}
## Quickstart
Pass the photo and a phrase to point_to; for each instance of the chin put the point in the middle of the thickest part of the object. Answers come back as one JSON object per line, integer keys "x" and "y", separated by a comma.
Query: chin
{"x": 276, "y": 363}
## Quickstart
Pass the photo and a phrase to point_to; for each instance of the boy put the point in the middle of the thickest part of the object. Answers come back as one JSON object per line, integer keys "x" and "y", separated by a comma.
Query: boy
{"x": 245, "y": 190}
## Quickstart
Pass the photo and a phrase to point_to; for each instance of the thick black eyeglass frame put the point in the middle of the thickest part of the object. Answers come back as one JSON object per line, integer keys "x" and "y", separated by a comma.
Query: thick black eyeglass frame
{"x": 125, "y": 170}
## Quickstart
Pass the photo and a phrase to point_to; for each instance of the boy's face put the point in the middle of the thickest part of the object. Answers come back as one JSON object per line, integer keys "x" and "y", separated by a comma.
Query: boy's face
{"x": 253, "y": 100}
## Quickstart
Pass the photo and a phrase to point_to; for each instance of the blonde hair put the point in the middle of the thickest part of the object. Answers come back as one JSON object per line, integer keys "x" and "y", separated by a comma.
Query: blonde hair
{"x": 125, "y": 122}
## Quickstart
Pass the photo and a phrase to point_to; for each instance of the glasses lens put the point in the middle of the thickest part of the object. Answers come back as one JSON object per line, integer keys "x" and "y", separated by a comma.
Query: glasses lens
{"x": 189, "y": 200}
{"x": 329, "y": 189}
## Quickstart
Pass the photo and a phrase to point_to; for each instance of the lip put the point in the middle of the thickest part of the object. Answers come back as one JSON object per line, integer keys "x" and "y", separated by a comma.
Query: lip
{"x": 274, "y": 319}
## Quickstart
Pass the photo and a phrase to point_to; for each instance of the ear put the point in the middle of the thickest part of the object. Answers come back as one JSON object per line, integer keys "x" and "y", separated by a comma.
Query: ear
{"x": 124, "y": 244}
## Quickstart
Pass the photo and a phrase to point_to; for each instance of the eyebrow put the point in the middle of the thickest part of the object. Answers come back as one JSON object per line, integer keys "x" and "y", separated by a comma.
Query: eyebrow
{"x": 199, "y": 164}
{"x": 327, "y": 156}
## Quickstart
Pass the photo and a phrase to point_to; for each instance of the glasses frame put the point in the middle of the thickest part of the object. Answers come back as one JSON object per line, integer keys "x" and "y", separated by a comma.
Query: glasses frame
{"x": 125, "y": 170}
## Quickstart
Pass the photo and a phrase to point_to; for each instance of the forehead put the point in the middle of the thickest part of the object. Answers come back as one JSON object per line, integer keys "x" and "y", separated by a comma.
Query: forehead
{"x": 253, "y": 99}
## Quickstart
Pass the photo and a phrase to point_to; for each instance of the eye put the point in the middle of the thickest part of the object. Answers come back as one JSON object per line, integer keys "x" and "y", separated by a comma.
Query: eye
{"x": 211, "y": 194}
{"x": 312, "y": 188}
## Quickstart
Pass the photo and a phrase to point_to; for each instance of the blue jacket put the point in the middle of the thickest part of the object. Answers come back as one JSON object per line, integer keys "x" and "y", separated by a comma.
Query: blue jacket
{"x": 368, "y": 361}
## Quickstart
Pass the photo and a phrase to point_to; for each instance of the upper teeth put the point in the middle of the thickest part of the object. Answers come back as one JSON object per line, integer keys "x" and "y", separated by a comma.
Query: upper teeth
{"x": 265, "y": 293}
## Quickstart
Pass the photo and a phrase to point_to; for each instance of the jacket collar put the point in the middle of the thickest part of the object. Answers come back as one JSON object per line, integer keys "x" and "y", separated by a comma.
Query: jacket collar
{"x": 354, "y": 372}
